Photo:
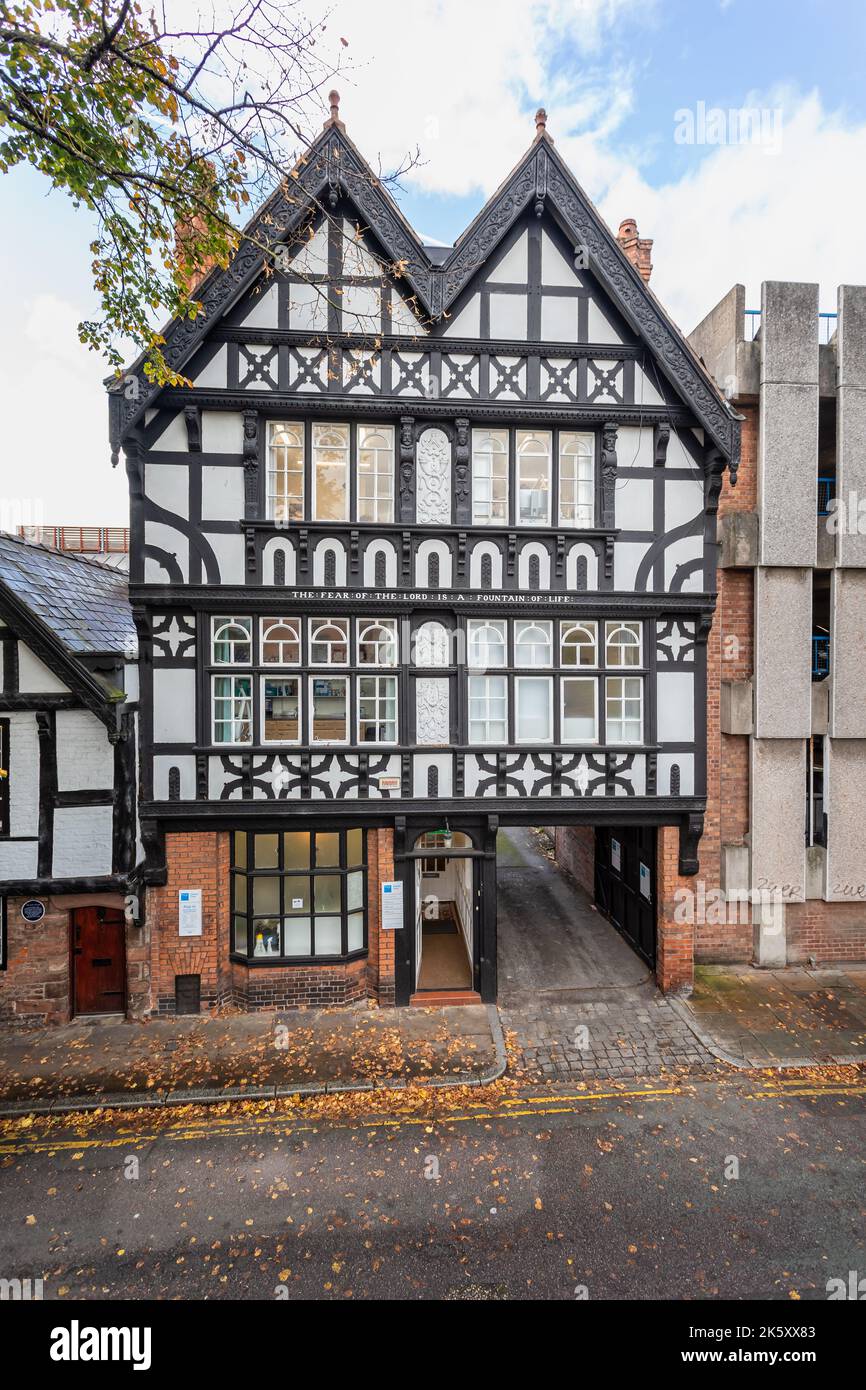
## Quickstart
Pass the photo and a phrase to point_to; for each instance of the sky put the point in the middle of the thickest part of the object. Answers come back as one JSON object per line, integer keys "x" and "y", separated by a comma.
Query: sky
{"x": 643, "y": 103}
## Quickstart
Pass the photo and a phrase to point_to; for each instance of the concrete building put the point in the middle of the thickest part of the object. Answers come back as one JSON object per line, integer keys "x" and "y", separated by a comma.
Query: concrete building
{"x": 791, "y": 622}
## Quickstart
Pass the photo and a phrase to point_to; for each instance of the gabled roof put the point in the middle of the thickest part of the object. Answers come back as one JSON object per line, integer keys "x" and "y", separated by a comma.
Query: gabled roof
{"x": 82, "y": 601}
{"x": 540, "y": 180}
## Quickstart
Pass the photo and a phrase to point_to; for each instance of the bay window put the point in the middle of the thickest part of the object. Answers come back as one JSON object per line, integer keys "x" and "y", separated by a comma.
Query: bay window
{"x": 488, "y": 709}
{"x": 533, "y": 477}
{"x": 375, "y": 473}
{"x": 286, "y": 472}
{"x": 624, "y": 709}
{"x": 329, "y": 705}
{"x": 489, "y": 477}
{"x": 576, "y": 479}
{"x": 330, "y": 472}
{"x": 281, "y": 709}
{"x": 377, "y": 709}
{"x": 534, "y": 709}
{"x": 298, "y": 895}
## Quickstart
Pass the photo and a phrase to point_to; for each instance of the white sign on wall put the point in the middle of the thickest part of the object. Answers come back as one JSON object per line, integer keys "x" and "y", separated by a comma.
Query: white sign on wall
{"x": 189, "y": 912}
{"x": 615, "y": 854}
{"x": 644, "y": 880}
{"x": 392, "y": 906}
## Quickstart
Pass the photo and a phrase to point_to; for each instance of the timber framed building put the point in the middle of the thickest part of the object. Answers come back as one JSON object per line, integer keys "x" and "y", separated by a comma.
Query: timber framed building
{"x": 428, "y": 547}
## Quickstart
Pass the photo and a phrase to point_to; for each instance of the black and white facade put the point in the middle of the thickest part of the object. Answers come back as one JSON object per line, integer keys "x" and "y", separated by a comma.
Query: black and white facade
{"x": 429, "y": 540}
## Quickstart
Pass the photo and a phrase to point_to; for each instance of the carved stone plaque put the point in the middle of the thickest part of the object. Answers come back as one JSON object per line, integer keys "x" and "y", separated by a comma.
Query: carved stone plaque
{"x": 433, "y": 479}
{"x": 432, "y": 710}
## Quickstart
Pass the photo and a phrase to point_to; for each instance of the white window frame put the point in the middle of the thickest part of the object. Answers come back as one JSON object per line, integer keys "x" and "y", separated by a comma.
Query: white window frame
{"x": 608, "y": 697}
{"x": 319, "y": 432}
{"x": 486, "y": 719}
{"x": 482, "y": 511}
{"x": 272, "y": 676}
{"x": 311, "y": 706}
{"x": 586, "y": 680}
{"x": 267, "y": 625}
{"x": 386, "y": 625}
{"x": 315, "y": 625}
{"x": 282, "y": 469}
{"x": 528, "y": 458}
{"x": 475, "y": 627}
{"x": 382, "y": 502}
{"x": 590, "y": 626}
{"x": 634, "y": 629}
{"x": 220, "y": 622}
{"x": 583, "y": 503}
{"x": 378, "y": 697}
{"x": 519, "y": 682}
{"x": 237, "y": 700}
{"x": 545, "y": 627}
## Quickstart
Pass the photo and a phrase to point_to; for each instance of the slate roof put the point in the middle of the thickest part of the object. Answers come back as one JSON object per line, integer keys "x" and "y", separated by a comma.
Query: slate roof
{"x": 85, "y": 603}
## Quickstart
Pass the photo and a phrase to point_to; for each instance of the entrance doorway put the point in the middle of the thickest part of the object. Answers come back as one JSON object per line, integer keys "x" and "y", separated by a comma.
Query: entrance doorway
{"x": 444, "y": 913}
{"x": 98, "y": 960}
{"x": 625, "y": 884}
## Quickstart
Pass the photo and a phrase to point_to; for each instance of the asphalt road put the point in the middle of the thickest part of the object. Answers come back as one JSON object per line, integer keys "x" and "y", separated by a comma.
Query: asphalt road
{"x": 620, "y": 1197}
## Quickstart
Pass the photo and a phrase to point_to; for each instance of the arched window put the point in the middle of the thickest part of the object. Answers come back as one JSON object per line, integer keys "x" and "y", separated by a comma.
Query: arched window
{"x": 375, "y": 473}
{"x": 281, "y": 641}
{"x": 579, "y": 644}
{"x": 377, "y": 642}
{"x": 576, "y": 479}
{"x": 622, "y": 644}
{"x": 231, "y": 641}
{"x": 486, "y": 644}
{"x": 489, "y": 477}
{"x": 329, "y": 641}
{"x": 532, "y": 644}
{"x": 533, "y": 477}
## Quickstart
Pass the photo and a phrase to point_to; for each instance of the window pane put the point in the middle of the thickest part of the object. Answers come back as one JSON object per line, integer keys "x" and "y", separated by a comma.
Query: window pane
{"x": 355, "y": 891}
{"x": 296, "y": 894}
{"x": 331, "y": 465}
{"x": 266, "y": 937}
{"x": 286, "y": 472}
{"x": 328, "y": 936}
{"x": 533, "y": 710}
{"x": 329, "y": 641}
{"x": 281, "y": 641}
{"x": 375, "y": 473}
{"x": 578, "y": 711}
{"x": 532, "y": 644}
{"x": 576, "y": 479}
{"x": 329, "y": 711}
{"x": 327, "y": 892}
{"x": 533, "y": 477}
{"x": 578, "y": 643}
{"x": 296, "y": 934}
{"x": 240, "y": 846}
{"x": 356, "y": 932}
{"x": 240, "y": 893}
{"x": 622, "y": 643}
{"x": 487, "y": 646}
{"x": 328, "y": 850}
{"x": 377, "y": 642}
{"x": 266, "y": 895}
{"x": 354, "y": 846}
{"x": 231, "y": 641}
{"x": 240, "y": 935}
{"x": 266, "y": 851}
{"x": 489, "y": 476}
{"x": 282, "y": 711}
{"x": 296, "y": 849}
{"x": 377, "y": 709}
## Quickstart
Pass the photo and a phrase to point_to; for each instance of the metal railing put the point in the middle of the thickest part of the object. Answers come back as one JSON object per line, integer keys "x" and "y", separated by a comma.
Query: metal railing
{"x": 820, "y": 657}
{"x": 826, "y": 325}
{"x": 826, "y": 494}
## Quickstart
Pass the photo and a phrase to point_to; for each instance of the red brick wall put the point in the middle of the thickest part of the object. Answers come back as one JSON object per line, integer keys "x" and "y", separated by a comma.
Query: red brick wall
{"x": 827, "y": 931}
{"x": 201, "y": 859}
{"x": 575, "y": 851}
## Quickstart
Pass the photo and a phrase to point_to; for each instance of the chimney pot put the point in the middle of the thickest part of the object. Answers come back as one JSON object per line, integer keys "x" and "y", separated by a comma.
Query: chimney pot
{"x": 636, "y": 248}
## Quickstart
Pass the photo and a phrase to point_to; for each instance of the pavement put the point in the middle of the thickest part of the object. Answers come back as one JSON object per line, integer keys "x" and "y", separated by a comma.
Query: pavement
{"x": 246, "y": 1055}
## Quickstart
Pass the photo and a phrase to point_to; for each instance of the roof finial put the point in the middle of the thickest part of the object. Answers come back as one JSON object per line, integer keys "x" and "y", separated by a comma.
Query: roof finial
{"x": 334, "y": 119}
{"x": 540, "y": 123}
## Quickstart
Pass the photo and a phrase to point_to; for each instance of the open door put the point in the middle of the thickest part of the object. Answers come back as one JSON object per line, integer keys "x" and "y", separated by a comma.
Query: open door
{"x": 444, "y": 915}
{"x": 419, "y": 922}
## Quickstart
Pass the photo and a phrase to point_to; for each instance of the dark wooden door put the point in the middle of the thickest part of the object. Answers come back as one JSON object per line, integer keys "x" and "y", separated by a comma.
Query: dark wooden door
{"x": 98, "y": 960}
{"x": 625, "y": 860}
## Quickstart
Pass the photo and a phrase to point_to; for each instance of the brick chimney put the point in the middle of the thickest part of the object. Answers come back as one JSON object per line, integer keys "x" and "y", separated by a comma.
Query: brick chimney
{"x": 636, "y": 248}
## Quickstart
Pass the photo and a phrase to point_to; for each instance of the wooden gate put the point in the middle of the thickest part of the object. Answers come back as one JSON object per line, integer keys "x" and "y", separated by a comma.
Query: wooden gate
{"x": 625, "y": 884}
